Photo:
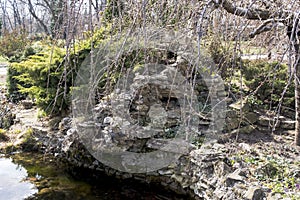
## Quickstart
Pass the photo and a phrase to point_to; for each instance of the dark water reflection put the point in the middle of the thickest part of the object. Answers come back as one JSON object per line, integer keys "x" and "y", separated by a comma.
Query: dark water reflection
{"x": 36, "y": 177}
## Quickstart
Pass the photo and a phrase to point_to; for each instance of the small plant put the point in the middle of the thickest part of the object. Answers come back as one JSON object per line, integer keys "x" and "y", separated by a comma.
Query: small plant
{"x": 254, "y": 101}
{"x": 28, "y": 134}
{"x": 3, "y": 136}
{"x": 29, "y": 141}
{"x": 16, "y": 132}
{"x": 274, "y": 173}
{"x": 41, "y": 114}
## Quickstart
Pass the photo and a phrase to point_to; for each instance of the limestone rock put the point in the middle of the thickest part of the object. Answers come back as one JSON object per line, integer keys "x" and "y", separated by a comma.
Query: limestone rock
{"x": 244, "y": 130}
{"x": 288, "y": 125}
{"x": 234, "y": 177}
{"x": 232, "y": 123}
{"x": 241, "y": 105}
{"x": 266, "y": 121}
{"x": 251, "y": 117}
{"x": 274, "y": 196}
{"x": 255, "y": 193}
{"x": 65, "y": 124}
{"x": 107, "y": 120}
{"x": 27, "y": 104}
{"x": 219, "y": 193}
{"x": 245, "y": 147}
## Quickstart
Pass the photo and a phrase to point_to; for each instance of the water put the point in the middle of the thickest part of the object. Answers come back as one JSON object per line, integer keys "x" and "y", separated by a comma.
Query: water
{"x": 38, "y": 177}
{"x": 13, "y": 183}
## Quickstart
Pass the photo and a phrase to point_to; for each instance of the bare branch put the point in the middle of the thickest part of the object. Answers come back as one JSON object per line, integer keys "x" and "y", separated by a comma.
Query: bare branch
{"x": 31, "y": 10}
{"x": 249, "y": 13}
{"x": 266, "y": 26}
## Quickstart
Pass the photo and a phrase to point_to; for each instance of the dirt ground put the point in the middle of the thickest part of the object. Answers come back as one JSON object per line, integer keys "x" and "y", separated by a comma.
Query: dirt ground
{"x": 2, "y": 79}
{"x": 3, "y": 72}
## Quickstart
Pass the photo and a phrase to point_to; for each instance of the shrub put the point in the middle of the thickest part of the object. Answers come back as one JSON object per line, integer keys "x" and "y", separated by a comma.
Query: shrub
{"x": 12, "y": 44}
{"x": 39, "y": 77}
{"x": 45, "y": 74}
{"x": 269, "y": 79}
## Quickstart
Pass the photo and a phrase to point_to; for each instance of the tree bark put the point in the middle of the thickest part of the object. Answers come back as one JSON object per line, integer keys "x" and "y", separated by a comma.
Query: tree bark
{"x": 293, "y": 33}
{"x": 297, "y": 102}
{"x": 297, "y": 93}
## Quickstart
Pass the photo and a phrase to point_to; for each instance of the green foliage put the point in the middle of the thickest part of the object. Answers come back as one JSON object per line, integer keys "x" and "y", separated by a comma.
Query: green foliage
{"x": 94, "y": 39}
{"x": 45, "y": 74}
{"x": 254, "y": 101}
{"x": 28, "y": 134}
{"x": 40, "y": 76}
{"x": 269, "y": 79}
{"x": 14, "y": 94}
{"x": 276, "y": 175}
{"x": 41, "y": 114}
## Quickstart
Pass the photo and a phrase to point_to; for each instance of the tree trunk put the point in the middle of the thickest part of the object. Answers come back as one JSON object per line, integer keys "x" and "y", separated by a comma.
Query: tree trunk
{"x": 297, "y": 95}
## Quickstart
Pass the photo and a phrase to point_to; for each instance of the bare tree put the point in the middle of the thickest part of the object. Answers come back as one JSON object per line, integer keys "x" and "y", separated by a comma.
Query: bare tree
{"x": 36, "y": 17}
{"x": 270, "y": 13}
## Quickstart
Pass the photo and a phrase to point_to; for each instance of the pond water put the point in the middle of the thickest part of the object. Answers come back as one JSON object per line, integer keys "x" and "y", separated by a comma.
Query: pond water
{"x": 13, "y": 183}
{"x": 38, "y": 177}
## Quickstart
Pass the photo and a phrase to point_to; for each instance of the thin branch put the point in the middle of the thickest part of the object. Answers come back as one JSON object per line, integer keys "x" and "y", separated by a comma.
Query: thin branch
{"x": 264, "y": 27}
{"x": 249, "y": 13}
{"x": 31, "y": 10}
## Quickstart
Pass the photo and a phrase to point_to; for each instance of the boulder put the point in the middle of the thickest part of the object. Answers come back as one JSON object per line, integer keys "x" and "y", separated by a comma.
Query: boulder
{"x": 27, "y": 104}
{"x": 244, "y": 130}
{"x": 241, "y": 105}
{"x": 251, "y": 117}
{"x": 234, "y": 177}
{"x": 266, "y": 121}
{"x": 255, "y": 193}
{"x": 288, "y": 124}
